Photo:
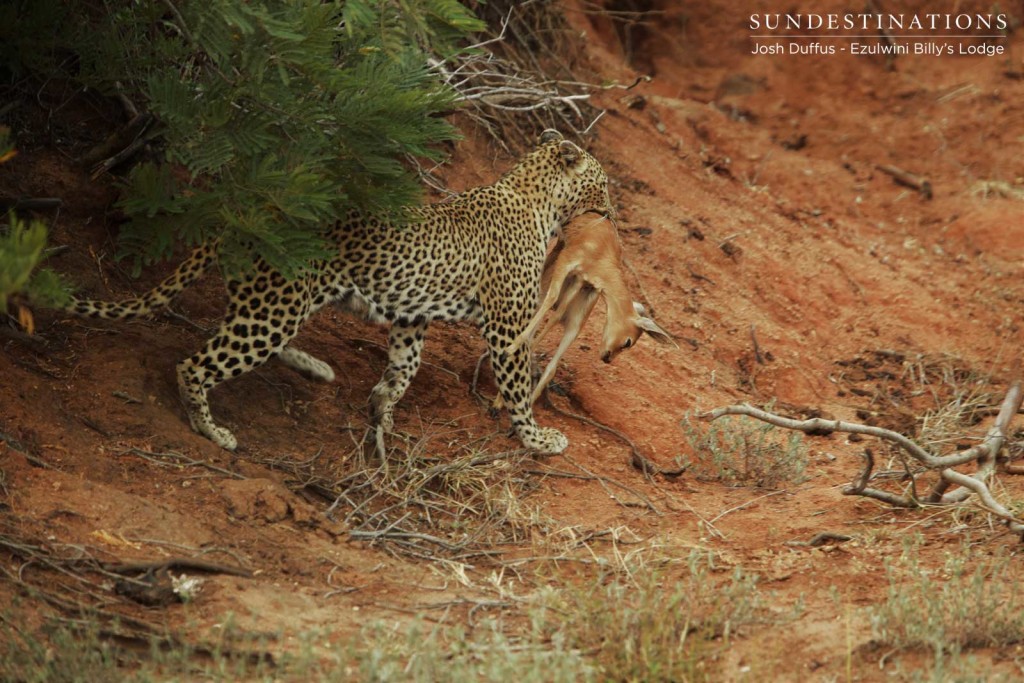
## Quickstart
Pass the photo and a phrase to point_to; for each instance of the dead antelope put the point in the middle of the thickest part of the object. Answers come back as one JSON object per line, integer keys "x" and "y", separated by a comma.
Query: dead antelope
{"x": 585, "y": 266}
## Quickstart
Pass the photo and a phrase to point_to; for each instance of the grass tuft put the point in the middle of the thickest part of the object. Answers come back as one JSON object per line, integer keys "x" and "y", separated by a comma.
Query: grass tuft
{"x": 971, "y": 602}
{"x": 745, "y": 452}
{"x": 653, "y": 626}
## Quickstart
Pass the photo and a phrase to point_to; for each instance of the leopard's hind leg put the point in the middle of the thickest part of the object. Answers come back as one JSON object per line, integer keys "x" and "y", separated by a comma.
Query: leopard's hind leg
{"x": 253, "y": 331}
{"x": 405, "y": 345}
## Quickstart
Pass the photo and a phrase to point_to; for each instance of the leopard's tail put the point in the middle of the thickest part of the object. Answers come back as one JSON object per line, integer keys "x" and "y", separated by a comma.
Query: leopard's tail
{"x": 160, "y": 296}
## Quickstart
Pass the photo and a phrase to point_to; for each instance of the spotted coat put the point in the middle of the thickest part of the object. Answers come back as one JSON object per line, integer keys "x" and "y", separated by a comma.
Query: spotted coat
{"x": 476, "y": 258}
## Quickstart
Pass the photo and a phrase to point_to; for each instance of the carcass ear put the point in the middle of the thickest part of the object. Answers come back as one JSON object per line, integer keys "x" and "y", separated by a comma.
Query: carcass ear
{"x": 657, "y": 333}
{"x": 569, "y": 152}
{"x": 550, "y": 135}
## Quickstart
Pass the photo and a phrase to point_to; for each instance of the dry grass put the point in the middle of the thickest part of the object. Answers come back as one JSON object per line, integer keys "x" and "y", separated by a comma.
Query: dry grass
{"x": 419, "y": 499}
{"x": 961, "y": 398}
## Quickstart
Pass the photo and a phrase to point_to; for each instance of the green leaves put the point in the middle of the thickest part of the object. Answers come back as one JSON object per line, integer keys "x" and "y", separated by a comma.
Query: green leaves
{"x": 22, "y": 248}
{"x": 276, "y": 116}
{"x": 293, "y": 113}
{"x": 21, "y": 251}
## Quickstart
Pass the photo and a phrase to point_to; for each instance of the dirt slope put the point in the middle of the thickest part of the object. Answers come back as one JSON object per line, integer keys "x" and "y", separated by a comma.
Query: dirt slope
{"x": 751, "y": 208}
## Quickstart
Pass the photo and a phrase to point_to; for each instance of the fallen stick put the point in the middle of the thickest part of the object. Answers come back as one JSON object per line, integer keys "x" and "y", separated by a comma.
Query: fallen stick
{"x": 178, "y": 563}
{"x": 104, "y": 166}
{"x": 820, "y": 539}
{"x": 757, "y": 349}
{"x": 922, "y": 185}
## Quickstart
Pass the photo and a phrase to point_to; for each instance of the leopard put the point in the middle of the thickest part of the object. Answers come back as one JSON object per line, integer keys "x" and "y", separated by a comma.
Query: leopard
{"x": 476, "y": 257}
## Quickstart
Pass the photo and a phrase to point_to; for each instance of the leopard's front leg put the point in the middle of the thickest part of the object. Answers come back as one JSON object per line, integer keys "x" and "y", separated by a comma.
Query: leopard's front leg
{"x": 515, "y": 384}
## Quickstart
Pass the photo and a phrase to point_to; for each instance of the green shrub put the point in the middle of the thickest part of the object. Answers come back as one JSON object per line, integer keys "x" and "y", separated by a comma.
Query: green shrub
{"x": 273, "y": 118}
{"x": 745, "y": 451}
{"x": 22, "y": 247}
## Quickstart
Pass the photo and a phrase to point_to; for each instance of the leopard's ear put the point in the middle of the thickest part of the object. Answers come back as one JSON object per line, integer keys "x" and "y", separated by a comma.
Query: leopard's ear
{"x": 550, "y": 135}
{"x": 569, "y": 152}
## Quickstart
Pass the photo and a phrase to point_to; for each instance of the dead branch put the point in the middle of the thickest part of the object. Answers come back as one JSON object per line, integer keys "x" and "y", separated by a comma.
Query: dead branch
{"x": 117, "y": 142}
{"x": 820, "y": 539}
{"x": 865, "y": 477}
{"x": 504, "y": 80}
{"x": 987, "y": 450}
{"x": 127, "y": 152}
{"x": 987, "y": 499}
{"x": 23, "y": 450}
{"x": 984, "y": 454}
{"x": 821, "y": 426}
{"x": 31, "y": 341}
{"x": 393, "y": 533}
{"x": 31, "y": 203}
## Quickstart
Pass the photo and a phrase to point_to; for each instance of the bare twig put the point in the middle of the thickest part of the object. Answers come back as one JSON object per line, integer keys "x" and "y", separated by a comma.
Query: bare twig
{"x": 116, "y": 144}
{"x": 400, "y": 534}
{"x": 22, "y": 449}
{"x": 757, "y": 349}
{"x": 822, "y": 426}
{"x": 504, "y": 79}
{"x": 820, "y": 539}
{"x": 746, "y": 505}
{"x": 990, "y": 446}
{"x": 125, "y": 101}
{"x": 31, "y": 203}
{"x": 121, "y": 156}
{"x": 697, "y": 276}
{"x": 171, "y": 458}
{"x": 171, "y": 313}
{"x": 637, "y": 459}
{"x": 606, "y": 481}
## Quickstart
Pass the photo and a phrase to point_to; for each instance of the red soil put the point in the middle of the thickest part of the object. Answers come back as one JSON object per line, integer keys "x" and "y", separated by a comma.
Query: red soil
{"x": 751, "y": 206}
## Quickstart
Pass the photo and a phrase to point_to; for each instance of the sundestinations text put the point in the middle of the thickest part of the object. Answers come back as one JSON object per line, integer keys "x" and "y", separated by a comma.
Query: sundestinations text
{"x": 879, "y": 22}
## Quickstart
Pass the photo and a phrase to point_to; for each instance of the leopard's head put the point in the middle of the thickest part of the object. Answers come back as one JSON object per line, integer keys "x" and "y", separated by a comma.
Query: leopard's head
{"x": 562, "y": 177}
{"x": 579, "y": 184}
